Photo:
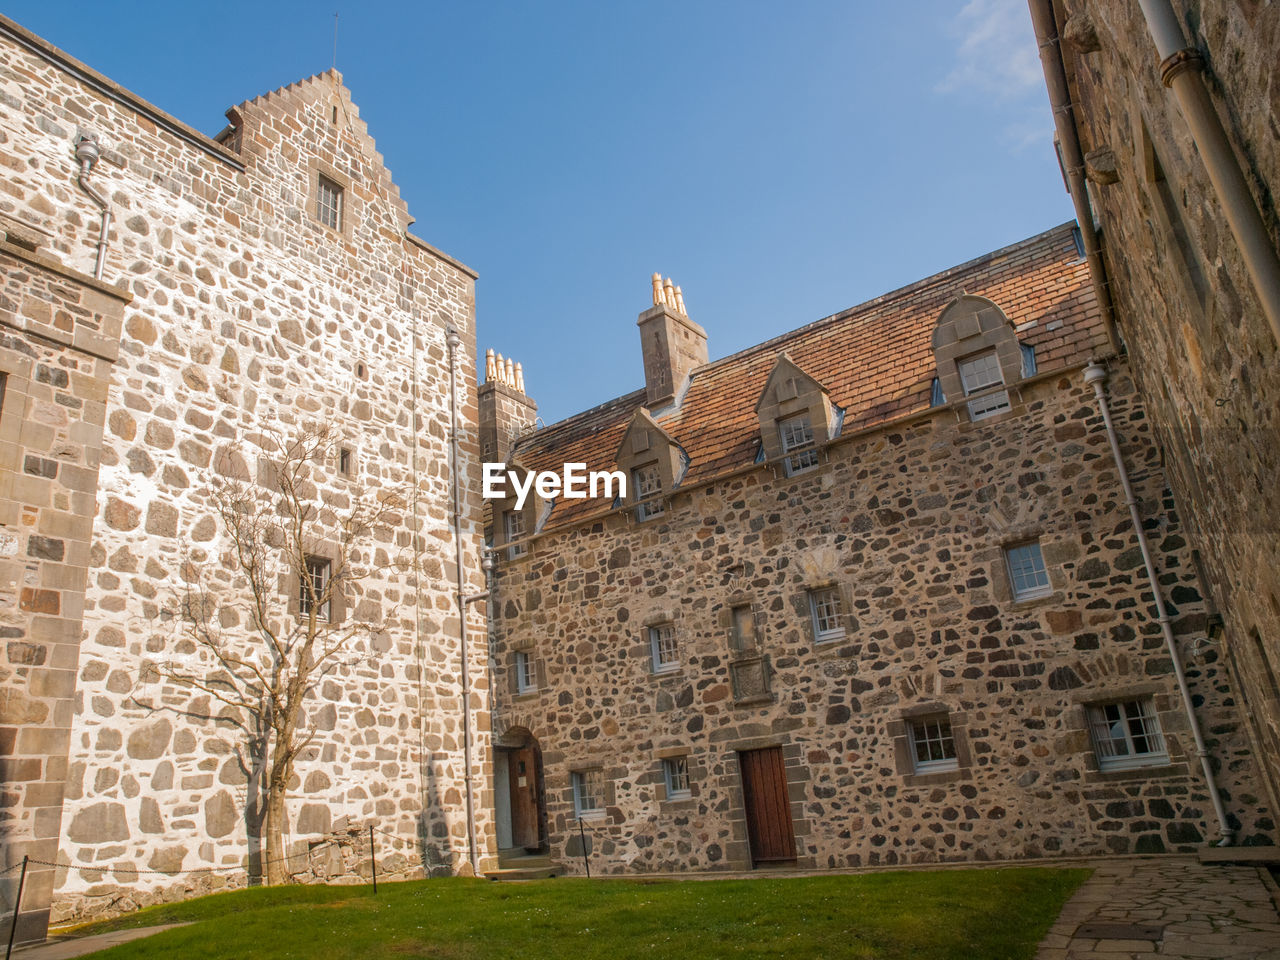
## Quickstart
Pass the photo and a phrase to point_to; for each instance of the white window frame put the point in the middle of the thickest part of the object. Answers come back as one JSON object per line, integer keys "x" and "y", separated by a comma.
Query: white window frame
{"x": 1126, "y": 725}
{"x": 675, "y": 771}
{"x": 588, "y": 793}
{"x": 1028, "y": 576}
{"x": 664, "y": 648}
{"x": 799, "y": 450}
{"x": 979, "y": 376}
{"x": 933, "y": 744}
{"x": 329, "y": 197}
{"x": 647, "y": 481}
{"x": 319, "y": 571}
{"x": 826, "y": 614}
{"x": 513, "y": 529}
{"x": 526, "y": 672}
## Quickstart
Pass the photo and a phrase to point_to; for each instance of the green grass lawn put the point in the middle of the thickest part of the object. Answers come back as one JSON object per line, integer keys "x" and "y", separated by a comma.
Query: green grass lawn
{"x": 961, "y": 914}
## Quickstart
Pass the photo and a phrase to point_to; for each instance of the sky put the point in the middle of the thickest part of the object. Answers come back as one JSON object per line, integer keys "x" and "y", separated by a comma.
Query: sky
{"x": 780, "y": 162}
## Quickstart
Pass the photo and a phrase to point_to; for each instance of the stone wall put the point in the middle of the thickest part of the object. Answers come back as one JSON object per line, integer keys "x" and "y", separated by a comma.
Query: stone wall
{"x": 59, "y": 334}
{"x": 908, "y": 522}
{"x": 249, "y": 314}
{"x": 1204, "y": 355}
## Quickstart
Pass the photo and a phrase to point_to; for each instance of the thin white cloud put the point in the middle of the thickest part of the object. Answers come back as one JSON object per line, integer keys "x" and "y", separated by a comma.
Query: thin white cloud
{"x": 996, "y": 51}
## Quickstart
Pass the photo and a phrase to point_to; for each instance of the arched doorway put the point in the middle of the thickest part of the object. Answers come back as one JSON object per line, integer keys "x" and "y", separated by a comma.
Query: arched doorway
{"x": 520, "y": 795}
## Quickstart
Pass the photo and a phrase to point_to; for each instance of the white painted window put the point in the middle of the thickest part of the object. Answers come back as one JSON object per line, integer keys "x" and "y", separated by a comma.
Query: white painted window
{"x": 825, "y": 612}
{"x": 675, "y": 770}
{"x": 1027, "y": 574}
{"x": 798, "y": 451}
{"x": 1126, "y": 734}
{"x": 513, "y": 529}
{"x": 648, "y": 483}
{"x": 663, "y": 648}
{"x": 932, "y": 746}
{"x": 329, "y": 203}
{"x": 526, "y": 673}
{"x": 588, "y": 793}
{"x": 978, "y": 375}
{"x": 313, "y": 588}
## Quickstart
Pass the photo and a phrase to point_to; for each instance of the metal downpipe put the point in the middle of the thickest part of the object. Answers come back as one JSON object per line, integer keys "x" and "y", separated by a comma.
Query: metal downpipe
{"x": 453, "y": 340}
{"x": 87, "y": 153}
{"x": 1181, "y": 69}
{"x": 1055, "y": 79}
{"x": 1097, "y": 377}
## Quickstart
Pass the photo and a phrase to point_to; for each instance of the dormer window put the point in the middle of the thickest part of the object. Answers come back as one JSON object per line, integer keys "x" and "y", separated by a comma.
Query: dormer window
{"x": 979, "y": 356}
{"x": 798, "y": 449}
{"x": 647, "y": 481}
{"x": 329, "y": 203}
{"x": 978, "y": 375}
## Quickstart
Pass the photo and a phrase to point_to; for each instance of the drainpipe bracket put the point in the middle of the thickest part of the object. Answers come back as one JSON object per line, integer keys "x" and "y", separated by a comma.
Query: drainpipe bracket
{"x": 1184, "y": 59}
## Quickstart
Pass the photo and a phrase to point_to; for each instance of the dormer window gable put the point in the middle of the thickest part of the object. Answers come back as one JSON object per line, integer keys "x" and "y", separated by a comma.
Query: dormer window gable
{"x": 978, "y": 355}
{"x": 653, "y": 462}
{"x": 514, "y": 522}
{"x": 796, "y": 417}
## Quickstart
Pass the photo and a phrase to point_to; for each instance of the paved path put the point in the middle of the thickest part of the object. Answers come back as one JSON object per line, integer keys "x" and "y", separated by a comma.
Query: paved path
{"x": 1168, "y": 908}
{"x": 66, "y": 949}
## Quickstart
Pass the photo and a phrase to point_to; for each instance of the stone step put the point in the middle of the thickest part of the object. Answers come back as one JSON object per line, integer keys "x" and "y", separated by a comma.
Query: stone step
{"x": 1257, "y": 855}
{"x": 542, "y": 872}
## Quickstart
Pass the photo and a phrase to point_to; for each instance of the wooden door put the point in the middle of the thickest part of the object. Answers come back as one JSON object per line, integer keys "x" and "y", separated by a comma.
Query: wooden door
{"x": 764, "y": 795}
{"x": 522, "y": 771}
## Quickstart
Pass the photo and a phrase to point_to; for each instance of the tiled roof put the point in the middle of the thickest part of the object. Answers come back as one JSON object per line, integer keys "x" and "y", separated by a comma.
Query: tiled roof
{"x": 875, "y": 360}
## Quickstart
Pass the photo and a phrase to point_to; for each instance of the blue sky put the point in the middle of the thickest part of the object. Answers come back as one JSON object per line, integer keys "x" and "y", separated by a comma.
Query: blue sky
{"x": 781, "y": 162}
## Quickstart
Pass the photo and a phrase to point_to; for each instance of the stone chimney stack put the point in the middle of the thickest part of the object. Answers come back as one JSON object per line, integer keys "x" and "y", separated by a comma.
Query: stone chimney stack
{"x": 506, "y": 413}
{"x": 671, "y": 343}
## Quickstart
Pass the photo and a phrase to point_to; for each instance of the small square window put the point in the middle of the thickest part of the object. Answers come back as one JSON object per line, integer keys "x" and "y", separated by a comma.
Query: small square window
{"x": 526, "y": 673}
{"x": 824, "y": 609}
{"x": 798, "y": 451}
{"x": 663, "y": 648}
{"x": 932, "y": 746}
{"x": 513, "y": 529}
{"x": 588, "y": 793}
{"x": 648, "y": 483}
{"x": 1027, "y": 574}
{"x": 328, "y": 202}
{"x": 978, "y": 375}
{"x": 1126, "y": 734}
{"x": 314, "y": 588}
{"x": 675, "y": 771}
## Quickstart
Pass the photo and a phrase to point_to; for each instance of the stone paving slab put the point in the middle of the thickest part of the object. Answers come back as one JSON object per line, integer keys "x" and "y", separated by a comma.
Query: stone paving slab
{"x": 1182, "y": 908}
{"x": 66, "y": 949}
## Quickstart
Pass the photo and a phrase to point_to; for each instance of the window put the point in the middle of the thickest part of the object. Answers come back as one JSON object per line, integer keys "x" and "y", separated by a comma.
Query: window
{"x": 526, "y": 673}
{"x": 663, "y": 647}
{"x": 1027, "y": 574}
{"x": 675, "y": 771}
{"x": 932, "y": 746}
{"x": 329, "y": 203}
{"x": 344, "y": 461}
{"x": 1028, "y": 359}
{"x": 588, "y": 793}
{"x": 513, "y": 530}
{"x": 742, "y": 627}
{"x": 648, "y": 483}
{"x": 313, "y": 588}
{"x": 1126, "y": 734}
{"x": 824, "y": 608}
{"x": 936, "y": 397}
{"x": 977, "y": 375}
{"x": 798, "y": 451}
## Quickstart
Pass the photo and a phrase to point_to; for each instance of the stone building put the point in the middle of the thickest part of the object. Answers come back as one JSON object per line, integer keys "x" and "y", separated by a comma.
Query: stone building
{"x": 261, "y": 280}
{"x": 1168, "y": 124}
{"x": 872, "y": 596}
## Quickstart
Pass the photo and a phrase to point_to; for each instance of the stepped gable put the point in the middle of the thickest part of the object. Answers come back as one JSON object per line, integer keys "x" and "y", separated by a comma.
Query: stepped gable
{"x": 283, "y": 108}
{"x": 875, "y": 360}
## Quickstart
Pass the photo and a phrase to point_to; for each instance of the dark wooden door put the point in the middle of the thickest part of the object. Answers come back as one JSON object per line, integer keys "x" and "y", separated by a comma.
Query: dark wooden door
{"x": 764, "y": 794}
{"x": 522, "y": 770}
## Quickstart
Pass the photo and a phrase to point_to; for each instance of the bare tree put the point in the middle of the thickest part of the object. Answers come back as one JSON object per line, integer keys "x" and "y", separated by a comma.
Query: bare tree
{"x": 266, "y": 617}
